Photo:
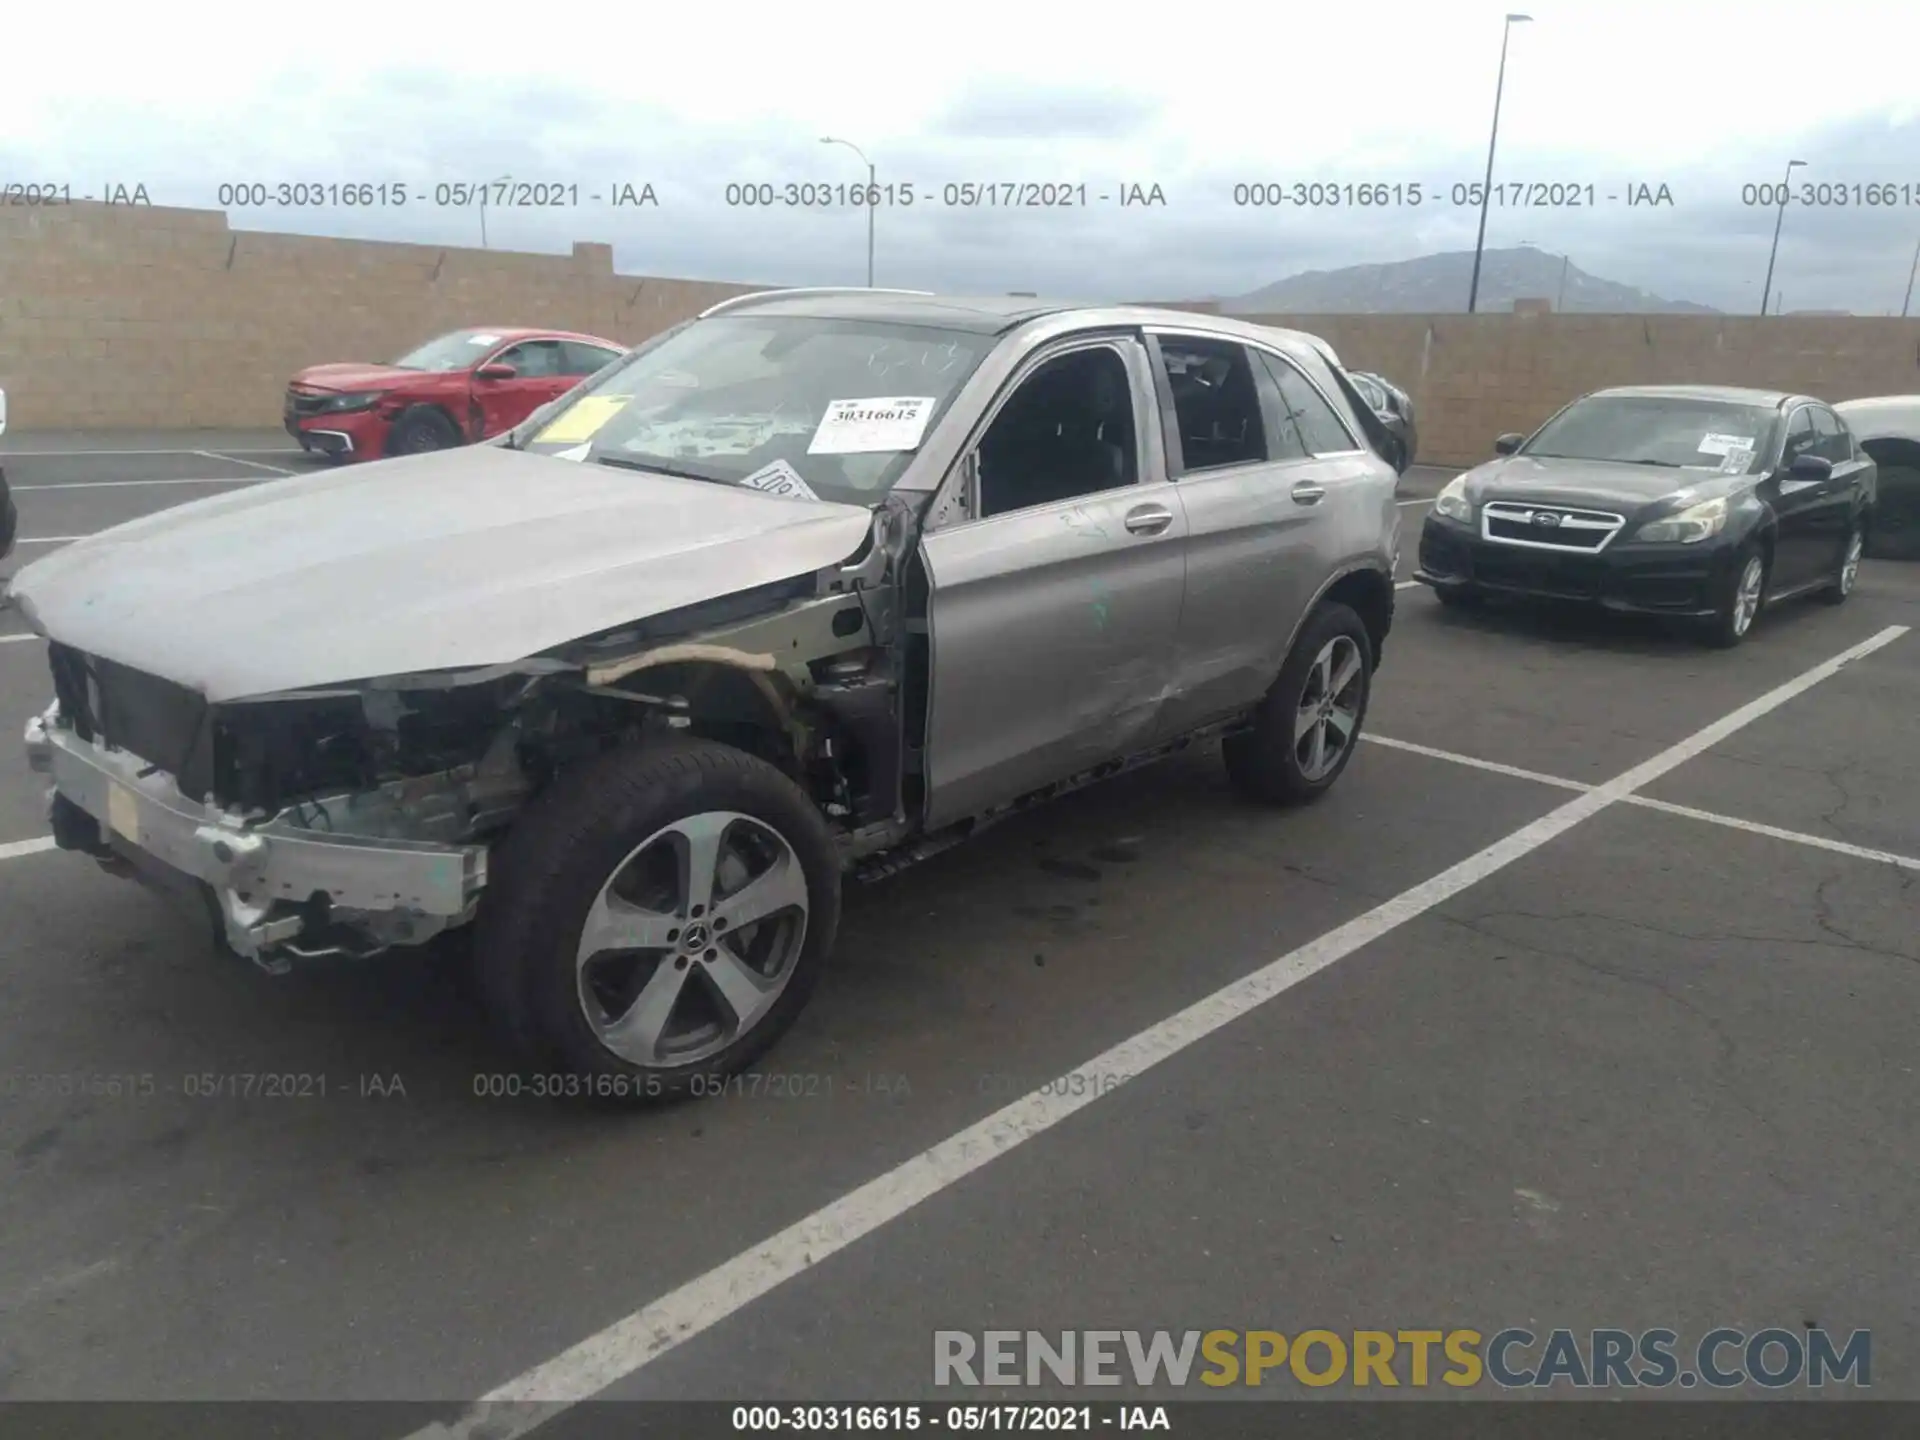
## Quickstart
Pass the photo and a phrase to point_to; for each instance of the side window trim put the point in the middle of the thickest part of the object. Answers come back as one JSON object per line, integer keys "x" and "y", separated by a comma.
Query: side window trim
{"x": 1786, "y": 441}
{"x": 1165, "y": 411}
{"x": 1356, "y": 447}
{"x": 953, "y": 504}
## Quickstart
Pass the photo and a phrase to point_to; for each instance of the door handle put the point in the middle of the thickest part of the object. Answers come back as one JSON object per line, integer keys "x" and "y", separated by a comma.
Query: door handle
{"x": 1308, "y": 493}
{"x": 1149, "y": 519}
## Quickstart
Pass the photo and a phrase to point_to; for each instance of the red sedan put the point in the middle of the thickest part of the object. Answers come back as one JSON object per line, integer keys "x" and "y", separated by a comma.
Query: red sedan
{"x": 456, "y": 390}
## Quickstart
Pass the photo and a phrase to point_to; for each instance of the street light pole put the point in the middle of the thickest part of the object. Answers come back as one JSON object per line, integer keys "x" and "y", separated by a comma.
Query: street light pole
{"x": 1486, "y": 190}
{"x": 503, "y": 180}
{"x": 1910, "y": 273}
{"x": 1786, "y": 184}
{"x": 1561, "y": 303}
{"x": 872, "y": 196}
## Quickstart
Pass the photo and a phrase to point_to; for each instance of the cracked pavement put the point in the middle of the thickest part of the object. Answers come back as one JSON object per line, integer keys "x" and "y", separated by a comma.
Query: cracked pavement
{"x": 1659, "y": 1072}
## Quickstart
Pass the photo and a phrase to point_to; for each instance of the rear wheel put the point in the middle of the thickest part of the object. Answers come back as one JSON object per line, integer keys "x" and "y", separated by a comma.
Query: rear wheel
{"x": 421, "y": 429}
{"x": 1304, "y": 732}
{"x": 657, "y": 920}
{"x": 1742, "y": 596}
{"x": 1849, "y": 572}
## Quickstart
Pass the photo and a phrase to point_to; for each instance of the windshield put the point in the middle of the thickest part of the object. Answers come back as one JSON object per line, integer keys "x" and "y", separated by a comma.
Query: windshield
{"x": 820, "y": 409}
{"x": 457, "y": 351}
{"x": 1659, "y": 430}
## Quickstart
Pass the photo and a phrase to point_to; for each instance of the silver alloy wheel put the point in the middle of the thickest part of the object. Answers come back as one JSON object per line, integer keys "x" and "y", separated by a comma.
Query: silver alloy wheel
{"x": 1746, "y": 599}
{"x": 1850, "y": 566}
{"x": 1329, "y": 712}
{"x": 692, "y": 939}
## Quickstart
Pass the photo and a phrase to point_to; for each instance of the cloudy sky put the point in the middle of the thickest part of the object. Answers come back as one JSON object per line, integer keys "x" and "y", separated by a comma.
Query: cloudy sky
{"x": 1705, "y": 98}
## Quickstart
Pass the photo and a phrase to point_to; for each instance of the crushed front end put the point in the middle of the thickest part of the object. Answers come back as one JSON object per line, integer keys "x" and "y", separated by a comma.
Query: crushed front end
{"x": 318, "y": 824}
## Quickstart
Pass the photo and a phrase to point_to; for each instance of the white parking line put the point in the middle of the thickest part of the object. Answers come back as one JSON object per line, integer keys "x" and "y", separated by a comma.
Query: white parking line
{"x": 236, "y": 460}
{"x": 1647, "y": 802}
{"x": 16, "y": 639}
{"x": 1774, "y": 832}
{"x": 626, "y": 1346}
{"x": 1495, "y": 766}
{"x": 6, "y": 454}
{"x": 1406, "y": 584}
{"x": 13, "y": 849}
{"x": 1404, "y": 503}
{"x": 135, "y": 484}
{"x": 48, "y": 539}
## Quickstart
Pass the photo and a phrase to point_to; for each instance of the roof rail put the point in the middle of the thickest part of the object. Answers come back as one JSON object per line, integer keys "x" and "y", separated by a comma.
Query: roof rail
{"x": 805, "y": 290}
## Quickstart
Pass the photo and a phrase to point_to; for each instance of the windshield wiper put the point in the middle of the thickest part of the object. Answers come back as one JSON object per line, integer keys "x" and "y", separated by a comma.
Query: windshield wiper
{"x": 1663, "y": 464}
{"x": 655, "y": 468}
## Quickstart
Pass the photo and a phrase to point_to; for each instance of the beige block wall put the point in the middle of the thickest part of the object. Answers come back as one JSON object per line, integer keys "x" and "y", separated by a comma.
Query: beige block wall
{"x": 124, "y": 317}
{"x": 1473, "y": 377}
{"x": 129, "y": 317}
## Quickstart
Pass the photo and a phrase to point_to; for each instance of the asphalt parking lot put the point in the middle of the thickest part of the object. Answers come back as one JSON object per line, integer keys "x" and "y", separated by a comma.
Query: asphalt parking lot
{"x": 1586, "y": 998}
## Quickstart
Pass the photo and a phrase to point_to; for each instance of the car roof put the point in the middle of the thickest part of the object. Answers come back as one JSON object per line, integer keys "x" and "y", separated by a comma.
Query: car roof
{"x": 999, "y": 314}
{"x": 980, "y": 315}
{"x": 525, "y": 332}
{"x": 1729, "y": 394}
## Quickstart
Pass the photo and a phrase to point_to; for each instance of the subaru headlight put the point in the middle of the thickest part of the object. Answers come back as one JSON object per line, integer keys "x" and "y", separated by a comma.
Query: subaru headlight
{"x": 1452, "y": 502}
{"x": 1689, "y": 526}
{"x": 340, "y": 404}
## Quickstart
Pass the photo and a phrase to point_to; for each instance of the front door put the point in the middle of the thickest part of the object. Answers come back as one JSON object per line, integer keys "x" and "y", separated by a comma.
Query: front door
{"x": 540, "y": 374}
{"x": 1054, "y": 596}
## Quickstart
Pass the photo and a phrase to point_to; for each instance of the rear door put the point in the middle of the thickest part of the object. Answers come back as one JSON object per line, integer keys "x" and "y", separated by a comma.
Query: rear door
{"x": 540, "y": 375}
{"x": 1262, "y": 463}
{"x": 1054, "y": 588}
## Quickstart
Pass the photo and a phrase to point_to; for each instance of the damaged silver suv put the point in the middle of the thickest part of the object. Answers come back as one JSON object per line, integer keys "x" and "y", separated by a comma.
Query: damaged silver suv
{"x": 812, "y": 586}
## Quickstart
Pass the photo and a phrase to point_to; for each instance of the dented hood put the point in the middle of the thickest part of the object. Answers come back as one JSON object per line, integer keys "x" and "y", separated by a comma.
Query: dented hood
{"x": 459, "y": 558}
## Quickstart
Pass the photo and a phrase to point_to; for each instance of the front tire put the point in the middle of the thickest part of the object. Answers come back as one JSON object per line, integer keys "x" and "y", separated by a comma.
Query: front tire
{"x": 1849, "y": 572}
{"x": 1741, "y": 598}
{"x": 1304, "y": 732}
{"x": 421, "y": 429}
{"x": 656, "y": 920}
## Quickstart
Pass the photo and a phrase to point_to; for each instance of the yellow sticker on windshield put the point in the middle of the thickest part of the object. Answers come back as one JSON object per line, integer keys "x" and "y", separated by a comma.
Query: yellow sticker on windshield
{"x": 582, "y": 419}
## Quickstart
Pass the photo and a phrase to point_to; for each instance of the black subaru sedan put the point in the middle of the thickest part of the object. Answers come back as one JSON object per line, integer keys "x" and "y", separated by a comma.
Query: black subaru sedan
{"x": 1705, "y": 503}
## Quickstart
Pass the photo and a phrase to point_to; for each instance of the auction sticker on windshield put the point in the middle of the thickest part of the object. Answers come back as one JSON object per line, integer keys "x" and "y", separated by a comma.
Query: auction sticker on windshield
{"x": 780, "y": 478}
{"x": 1712, "y": 444}
{"x": 582, "y": 419}
{"x": 861, "y": 427}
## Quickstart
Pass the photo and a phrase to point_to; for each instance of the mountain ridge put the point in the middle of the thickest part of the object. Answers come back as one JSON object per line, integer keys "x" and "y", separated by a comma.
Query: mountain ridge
{"x": 1438, "y": 284}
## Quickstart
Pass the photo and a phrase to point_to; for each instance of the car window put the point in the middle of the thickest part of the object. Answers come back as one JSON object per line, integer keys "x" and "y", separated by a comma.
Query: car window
{"x": 461, "y": 350}
{"x": 1319, "y": 427}
{"x": 833, "y": 409}
{"x": 534, "y": 359}
{"x": 1834, "y": 442}
{"x": 1068, "y": 430}
{"x": 1215, "y": 402}
{"x": 1284, "y": 440}
{"x": 1680, "y": 432}
{"x": 584, "y": 359}
{"x": 1802, "y": 438}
